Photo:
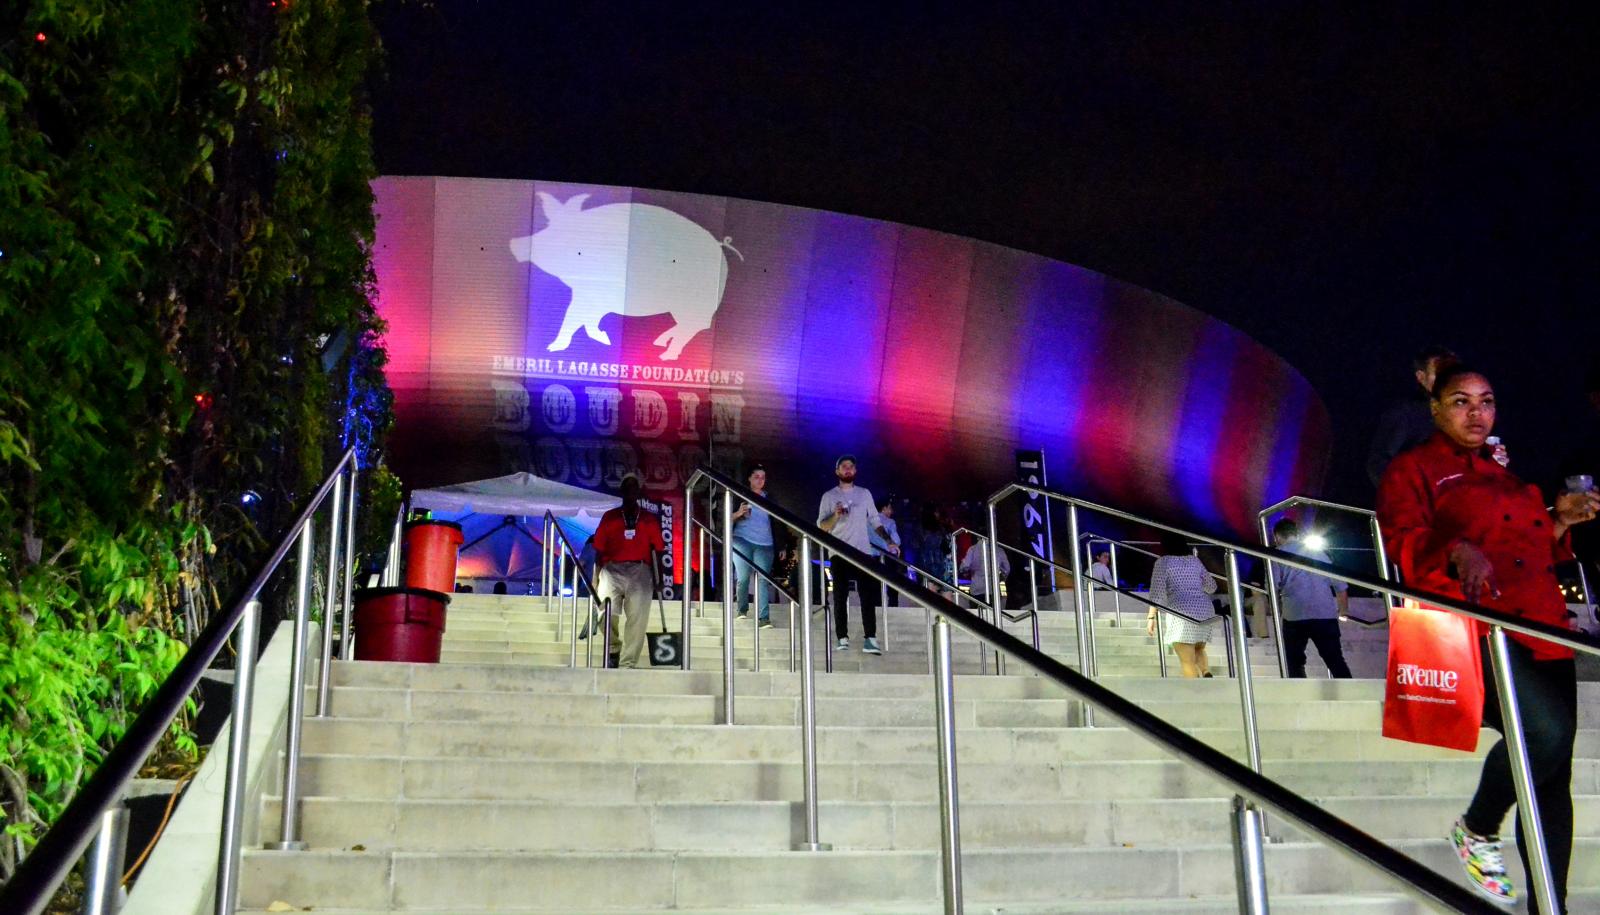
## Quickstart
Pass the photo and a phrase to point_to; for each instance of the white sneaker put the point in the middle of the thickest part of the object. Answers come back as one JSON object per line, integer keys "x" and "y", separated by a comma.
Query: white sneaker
{"x": 844, "y": 645}
{"x": 870, "y": 646}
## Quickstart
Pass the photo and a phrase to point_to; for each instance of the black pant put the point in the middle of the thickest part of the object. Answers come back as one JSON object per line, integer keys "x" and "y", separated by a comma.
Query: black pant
{"x": 1547, "y": 698}
{"x": 843, "y": 574}
{"x": 1325, "y": 635}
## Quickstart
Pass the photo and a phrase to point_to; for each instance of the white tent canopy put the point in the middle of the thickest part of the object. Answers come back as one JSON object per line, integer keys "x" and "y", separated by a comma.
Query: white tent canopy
{"x": 498, "y": 544}
{"x": 516, "y": 494}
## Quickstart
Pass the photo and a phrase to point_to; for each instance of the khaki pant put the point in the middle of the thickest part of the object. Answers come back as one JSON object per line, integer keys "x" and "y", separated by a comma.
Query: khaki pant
{"x": 630, "y": 586}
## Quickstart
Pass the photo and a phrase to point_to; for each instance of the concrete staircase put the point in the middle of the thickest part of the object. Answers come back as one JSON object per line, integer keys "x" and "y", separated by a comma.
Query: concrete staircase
{"x": 499, "y": 782}
{"x": 497, "y": 629}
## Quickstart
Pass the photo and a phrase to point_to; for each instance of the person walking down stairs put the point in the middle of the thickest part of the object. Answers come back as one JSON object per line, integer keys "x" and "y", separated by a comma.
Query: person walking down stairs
{"x": 848, "y": 512}
{"x": 625, "y": 545}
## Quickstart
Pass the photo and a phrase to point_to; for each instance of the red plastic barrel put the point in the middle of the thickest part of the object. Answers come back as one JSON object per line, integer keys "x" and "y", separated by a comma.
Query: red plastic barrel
{"x": 431, "y": 548}
{"x": 399, "y": 624}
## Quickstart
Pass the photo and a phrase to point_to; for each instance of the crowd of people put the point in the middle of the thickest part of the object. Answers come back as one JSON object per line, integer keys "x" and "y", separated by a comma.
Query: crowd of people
{"x": 1455, "y": 519}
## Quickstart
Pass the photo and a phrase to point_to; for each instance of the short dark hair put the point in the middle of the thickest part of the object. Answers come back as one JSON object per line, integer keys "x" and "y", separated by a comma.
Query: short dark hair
{"x": 1449, "y": 374}
{"x": 755, "y": 467}
{"x": 1427, "y": 354}
{"x": 1286, "y": 527}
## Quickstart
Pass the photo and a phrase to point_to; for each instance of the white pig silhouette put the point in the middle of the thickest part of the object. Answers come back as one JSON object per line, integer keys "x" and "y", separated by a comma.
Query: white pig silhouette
{"x": 629, "y": 259}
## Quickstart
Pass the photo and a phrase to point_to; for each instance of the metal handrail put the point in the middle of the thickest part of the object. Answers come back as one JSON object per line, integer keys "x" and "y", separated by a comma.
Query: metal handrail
{"x": 1273, "y": 598}
{"x": 756, "y": 568}
{"x": 35, "y": 881}
{"x": 558, "y": 549}
{"x": 996, "y": 610}
{"x": 1499, "y": 623}
{"x": 1249, "y": 785}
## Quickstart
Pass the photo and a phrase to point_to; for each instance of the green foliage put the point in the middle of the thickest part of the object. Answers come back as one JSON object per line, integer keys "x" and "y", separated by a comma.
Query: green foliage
{"x": 185, "y": 222}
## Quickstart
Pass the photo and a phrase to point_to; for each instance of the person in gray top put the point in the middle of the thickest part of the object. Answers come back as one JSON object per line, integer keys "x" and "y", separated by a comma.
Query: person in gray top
{"x": 848, "y": 512}
{"x": 1312, "y": 605}
{"x": 753, "y": 548}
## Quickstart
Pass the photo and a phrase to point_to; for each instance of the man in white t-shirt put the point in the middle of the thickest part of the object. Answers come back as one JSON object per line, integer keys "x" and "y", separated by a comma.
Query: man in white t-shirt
{"x": 848, "y": 512}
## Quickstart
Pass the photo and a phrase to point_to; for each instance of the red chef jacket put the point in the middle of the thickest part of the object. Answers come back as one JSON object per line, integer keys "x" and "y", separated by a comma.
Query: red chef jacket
{"x": 1439, "y": 494}
{"x": 612, "y": 542}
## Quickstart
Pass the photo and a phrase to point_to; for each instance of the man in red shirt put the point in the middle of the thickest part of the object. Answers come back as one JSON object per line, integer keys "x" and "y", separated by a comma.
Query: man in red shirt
{"x": 625, "y": 545}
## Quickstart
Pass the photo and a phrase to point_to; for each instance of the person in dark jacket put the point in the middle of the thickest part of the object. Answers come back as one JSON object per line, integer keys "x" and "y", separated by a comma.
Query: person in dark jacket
{"x": 1463, "y": 526}
{"x": 1408, "y": 422}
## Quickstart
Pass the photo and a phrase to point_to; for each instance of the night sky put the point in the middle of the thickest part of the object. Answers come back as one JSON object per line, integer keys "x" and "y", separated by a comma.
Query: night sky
{"x": 1345, "y": 186}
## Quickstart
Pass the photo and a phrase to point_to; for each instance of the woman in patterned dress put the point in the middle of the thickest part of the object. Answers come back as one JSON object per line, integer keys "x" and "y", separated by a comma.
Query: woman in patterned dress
{"x": 1181, "y": 582}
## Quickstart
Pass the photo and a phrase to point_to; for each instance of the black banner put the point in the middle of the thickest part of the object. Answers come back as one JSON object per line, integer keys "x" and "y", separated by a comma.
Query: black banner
{"x": 1035, "y": 509}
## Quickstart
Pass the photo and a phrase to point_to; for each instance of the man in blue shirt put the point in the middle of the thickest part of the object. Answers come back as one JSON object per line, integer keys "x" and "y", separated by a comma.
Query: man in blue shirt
{"x": 753, "y": 545}
{"x": 1312, "y": 605}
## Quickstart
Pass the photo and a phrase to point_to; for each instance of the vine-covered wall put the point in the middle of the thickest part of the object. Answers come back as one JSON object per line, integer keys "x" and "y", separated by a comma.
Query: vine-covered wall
{"x": 185, "y": 317}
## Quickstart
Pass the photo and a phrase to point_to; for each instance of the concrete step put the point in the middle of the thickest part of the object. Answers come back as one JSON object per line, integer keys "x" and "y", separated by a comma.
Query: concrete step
{"x": 480, "y": 881}
{"x": 532, "y": 707}
{"x": 515, "y": 739}
{"x": 444, "y": 778}
{"x": 784, "y": 683}
{"x": 580, "y": 825}
{"x": 1356, "y": 904}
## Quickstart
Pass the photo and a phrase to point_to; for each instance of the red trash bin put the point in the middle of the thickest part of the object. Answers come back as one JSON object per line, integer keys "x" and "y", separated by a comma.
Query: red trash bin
{"x": 431, "y": 549}
{"x": 399, "y": 624}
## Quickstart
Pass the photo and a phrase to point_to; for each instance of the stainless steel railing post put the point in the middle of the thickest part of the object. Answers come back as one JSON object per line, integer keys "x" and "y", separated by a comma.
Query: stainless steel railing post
{"x": 1247, "y": 695}
{"x": 808, "y": 708}
{"x": 546, "y": 557}
{"x": 1085, "y": 664}
{"x": 1275, "y": 603}
{"x": 795, "y": 618}
{"x": 561, "y": 586}
{"x": 727, "y": 608}
{"x": 245, "y": 635}
{"x": 347, "y": 646}
{"x": 335, "y": 542}
{"x": 1116, "y": 580}
{"x": 391, "y": 569}
{"x": 991, "y": 574}
{"x": 102, "y": 873}
{"x": 606, "y": 622}
{"x": 700, "y": 570}
{"x": 1378, "y": 548}
{"x": 1227, "y": 640}
{"x": 827, "y": 621}
{"x": 1078, "y": 575}
{"x": 290, "y": 833}
{"x": 687, "y": 572}
{"x": 1588, "y": 596}
{"x": 944, "y": 702}
{"x": 1161, "y": 644}
{"x": 1544, "y": 889}
{"x": 1249, "y": 859}
{"x": 588, "y": 623}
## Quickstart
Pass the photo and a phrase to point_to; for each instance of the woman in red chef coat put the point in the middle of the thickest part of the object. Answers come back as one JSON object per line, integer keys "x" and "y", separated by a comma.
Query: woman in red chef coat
{"x": 1460, "y": 524}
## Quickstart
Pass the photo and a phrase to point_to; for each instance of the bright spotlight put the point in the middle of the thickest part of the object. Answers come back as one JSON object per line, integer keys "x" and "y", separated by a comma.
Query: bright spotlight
{"x": 1316, "y": 541}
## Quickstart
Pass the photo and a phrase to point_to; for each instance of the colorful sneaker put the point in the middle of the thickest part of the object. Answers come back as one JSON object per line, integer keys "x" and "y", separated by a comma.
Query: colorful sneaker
{"x": 1484, "y": 863}
{"x": 844, "y": 645}
{"x": 870, "y": 646}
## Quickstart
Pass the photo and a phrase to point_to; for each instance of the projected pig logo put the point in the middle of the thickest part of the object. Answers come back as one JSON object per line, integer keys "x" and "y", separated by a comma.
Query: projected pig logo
{"x": 629, "y": 259}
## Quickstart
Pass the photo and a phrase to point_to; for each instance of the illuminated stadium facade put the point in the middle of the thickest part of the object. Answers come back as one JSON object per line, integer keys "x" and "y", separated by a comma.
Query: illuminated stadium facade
{"x": 581, "y": 332}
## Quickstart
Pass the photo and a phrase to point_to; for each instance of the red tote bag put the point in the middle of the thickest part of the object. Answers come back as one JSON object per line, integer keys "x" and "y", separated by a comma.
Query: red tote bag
{"x": 1434, "y": 690}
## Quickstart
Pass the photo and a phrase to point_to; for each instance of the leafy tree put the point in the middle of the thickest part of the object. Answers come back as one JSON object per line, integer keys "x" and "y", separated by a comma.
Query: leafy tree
{"x": 186, "y": 297}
